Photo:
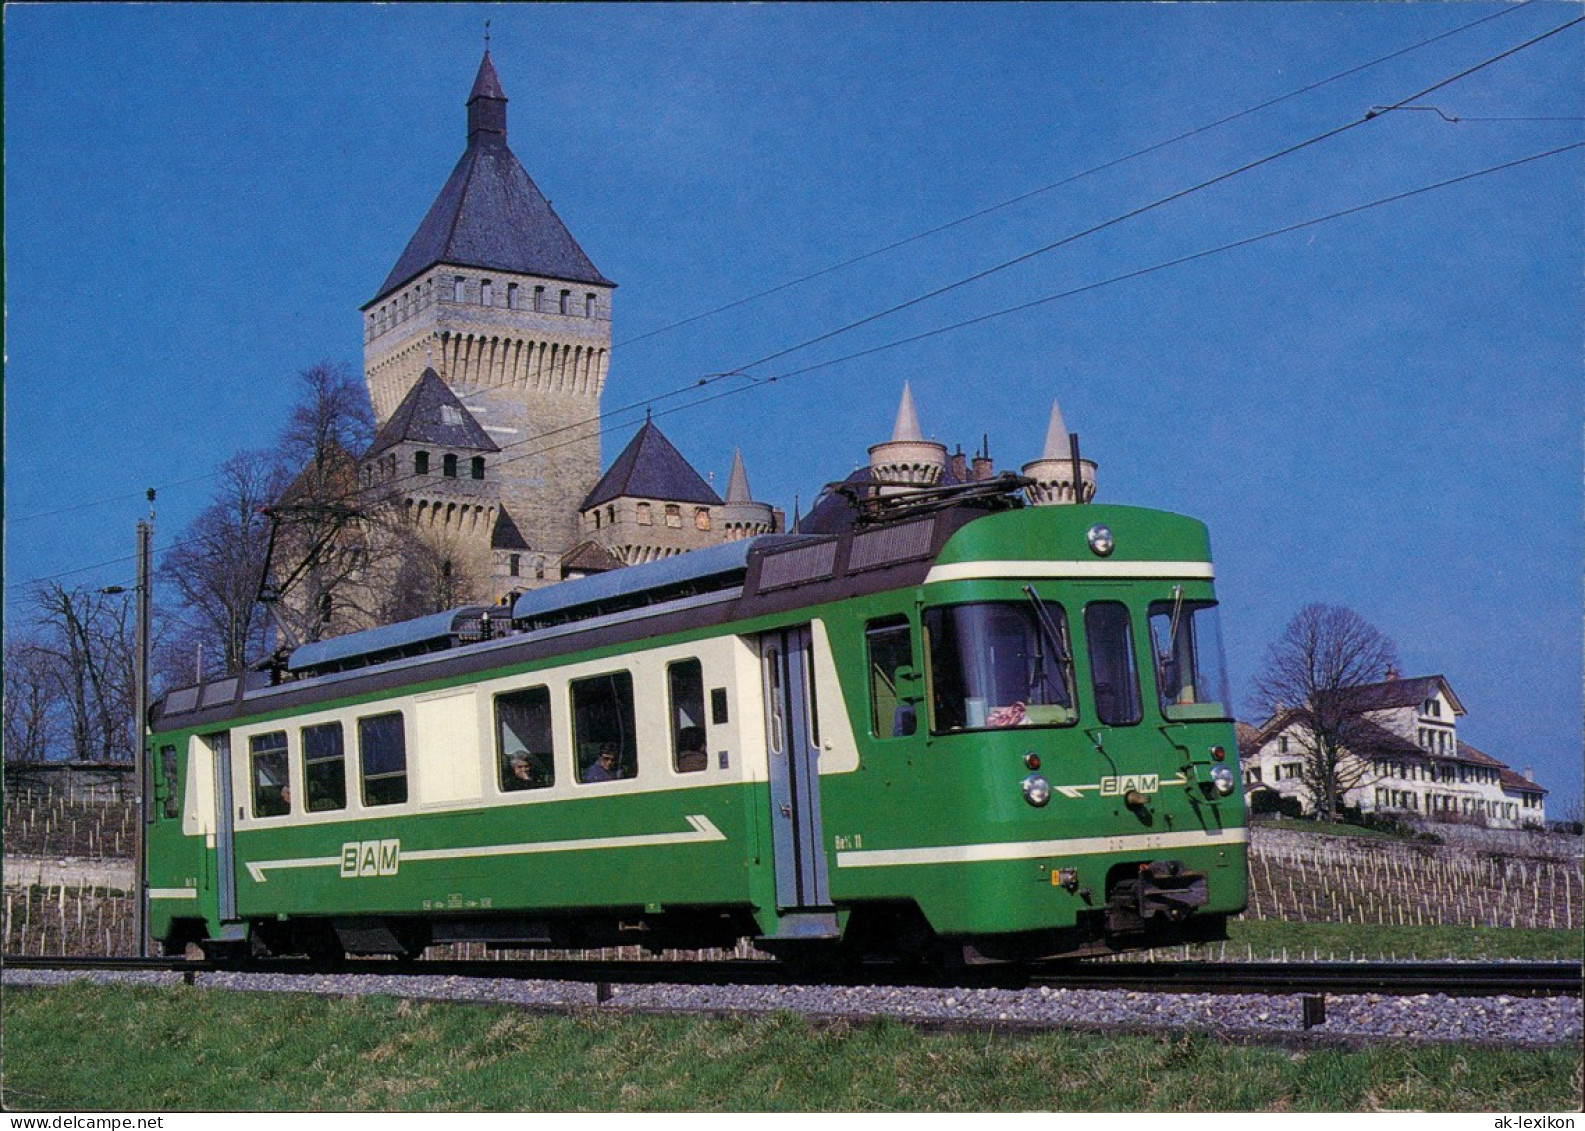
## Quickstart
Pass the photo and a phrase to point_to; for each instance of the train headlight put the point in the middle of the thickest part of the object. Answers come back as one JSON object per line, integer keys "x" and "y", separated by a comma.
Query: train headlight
{"x": 1037, "y": 790}
{"x": 1222, "y": 779}
{"x": 1101, "y": 542}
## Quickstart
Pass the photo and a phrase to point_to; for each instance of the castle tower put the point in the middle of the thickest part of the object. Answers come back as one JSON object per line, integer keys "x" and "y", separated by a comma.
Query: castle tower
{"x": 907, "y": 460}
{"x": 1055, "y": 470}
{"x": 495, "y": 293}
{"x": 742, "y": 517}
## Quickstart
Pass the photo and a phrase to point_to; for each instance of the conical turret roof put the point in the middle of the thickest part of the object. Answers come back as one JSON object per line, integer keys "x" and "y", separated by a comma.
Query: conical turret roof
{"x": 737, "y": 481}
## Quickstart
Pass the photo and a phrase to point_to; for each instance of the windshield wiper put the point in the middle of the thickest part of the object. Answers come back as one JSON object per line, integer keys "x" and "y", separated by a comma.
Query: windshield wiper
{"x": 1053, "y": 636}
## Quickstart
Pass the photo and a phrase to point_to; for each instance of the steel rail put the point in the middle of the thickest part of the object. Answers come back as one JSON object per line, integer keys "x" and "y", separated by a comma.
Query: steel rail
{"x": 1454, "y": 979}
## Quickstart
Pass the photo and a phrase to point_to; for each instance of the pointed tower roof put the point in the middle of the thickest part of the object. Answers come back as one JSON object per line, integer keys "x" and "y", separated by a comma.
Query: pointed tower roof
{"x": 737, "y": 481}
{"x": 907, "y": 425}
{"x": 1058, "y": 445}
{"x": 432, "y": 414}
{"x": 650, "y": 468}
{"x": 490, "y": 214}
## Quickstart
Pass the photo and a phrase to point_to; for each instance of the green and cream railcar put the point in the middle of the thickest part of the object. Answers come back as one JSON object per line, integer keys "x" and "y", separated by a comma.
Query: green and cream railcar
{"x": 984, "y": 726}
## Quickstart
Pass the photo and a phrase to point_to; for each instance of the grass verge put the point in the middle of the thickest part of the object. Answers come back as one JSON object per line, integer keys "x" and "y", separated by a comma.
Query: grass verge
{"x": 83, "y": 1047}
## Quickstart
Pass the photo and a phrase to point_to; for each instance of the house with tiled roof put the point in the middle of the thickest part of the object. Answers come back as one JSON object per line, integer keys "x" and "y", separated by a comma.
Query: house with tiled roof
{"x": 1404, "y": 756}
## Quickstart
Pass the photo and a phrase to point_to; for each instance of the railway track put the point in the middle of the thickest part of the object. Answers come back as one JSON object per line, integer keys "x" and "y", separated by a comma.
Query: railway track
{"x": 1403, "y": 979}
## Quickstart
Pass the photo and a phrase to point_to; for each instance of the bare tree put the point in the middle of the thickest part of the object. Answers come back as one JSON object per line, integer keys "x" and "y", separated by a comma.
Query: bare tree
{"x": 217, "y": 567}
{"x": 89, "y": 639}
{"x": 1312, "y": 674}
{"x": 32, "y": 699}
{"x": 329, "y": 534}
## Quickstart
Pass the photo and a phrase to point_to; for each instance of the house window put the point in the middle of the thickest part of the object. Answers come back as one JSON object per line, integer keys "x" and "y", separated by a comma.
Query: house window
{"x": 448, "y": 466}
{"x": 673, "y": 515}
{"x": 486, "y": 292}
{"x": 478, "y": 467}
{"x": 539, "y": 299}
{"x": 1282, "y": 745}
{"x": 566, "y": 298}
{"x": 513, "y": 563}
{"x": 420, "y": 463}
{"x": 511, "y": 296}
{"x": 457, "y": 288}
{"x": 645, "y": 515}
{"x": 701, "y": 519}
{"x": 588, "y": 306}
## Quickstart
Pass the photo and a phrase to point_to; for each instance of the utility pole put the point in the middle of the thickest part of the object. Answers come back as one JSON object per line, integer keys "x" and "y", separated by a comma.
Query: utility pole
{"x": 140, "y": 729}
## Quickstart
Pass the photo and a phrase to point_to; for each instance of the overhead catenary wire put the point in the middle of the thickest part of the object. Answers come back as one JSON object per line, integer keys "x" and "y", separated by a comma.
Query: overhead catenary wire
{"x": 1067, "y": 180}
{"x": 754, "y": 381}
{"x": 897, "y": 244}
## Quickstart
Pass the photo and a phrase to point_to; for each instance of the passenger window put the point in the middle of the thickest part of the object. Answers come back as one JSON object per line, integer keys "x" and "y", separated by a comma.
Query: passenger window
{"x": 1112, "y": 672}
{"x": 685, "y": 683}
{"x": 324, "y": 768}
{"x": 523, "y": 744}
{"x": 173, "y": 803}
{"x": 890, "y": 645}
{"x": 605, "y": 747}
{"x": 382, "y": 754}
{"x": 272, "y": 794}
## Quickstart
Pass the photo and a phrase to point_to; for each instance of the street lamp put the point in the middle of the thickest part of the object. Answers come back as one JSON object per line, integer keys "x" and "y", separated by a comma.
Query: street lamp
{"x": 140, "y": 709}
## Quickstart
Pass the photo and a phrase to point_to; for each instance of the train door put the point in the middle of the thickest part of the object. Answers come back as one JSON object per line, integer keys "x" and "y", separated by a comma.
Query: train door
{"x": 225, "y": 826}
{"x": 792, "y": 740}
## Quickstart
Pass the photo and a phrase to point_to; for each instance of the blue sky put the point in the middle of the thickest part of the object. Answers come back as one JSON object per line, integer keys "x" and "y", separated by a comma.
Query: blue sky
{"x": 1382, "y": 411}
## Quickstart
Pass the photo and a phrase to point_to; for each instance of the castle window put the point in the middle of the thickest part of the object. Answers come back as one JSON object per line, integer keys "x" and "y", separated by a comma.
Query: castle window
{"x": 448, "y": 465}
{"x": 486, "y": 292}
{"x": 513, "y": 564}
{"x": 673, "y": 515}
{"x": 511, "y": 296}
{"x": 478, "y": 467}
{"x": 588, "y": 306}
{"x": 645, "y": 518}
{"x": 566, "y": 297}
{"x": 701, "y": 519}
{"x": 539, "y": 297}
{"x": 597, "y": 518}
{"x": 539, "y": 568}
{"x": 456, "y": 288}
{"x": 420, "y": 463}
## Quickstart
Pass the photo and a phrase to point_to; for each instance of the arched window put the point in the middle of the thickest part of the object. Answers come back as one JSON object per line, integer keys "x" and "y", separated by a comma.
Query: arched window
{"x": 701, "y": 519}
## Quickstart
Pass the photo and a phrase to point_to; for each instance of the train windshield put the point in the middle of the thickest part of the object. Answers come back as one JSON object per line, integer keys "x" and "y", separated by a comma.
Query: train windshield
{"x": 1191, "y": 675}
{"x": 999, "y": 664}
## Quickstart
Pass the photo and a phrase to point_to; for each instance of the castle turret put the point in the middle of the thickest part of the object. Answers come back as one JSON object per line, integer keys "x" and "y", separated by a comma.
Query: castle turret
{"x": 1056, "y": 471}
{"x": 742, "y": 517}
{"x": 907, "y": 460}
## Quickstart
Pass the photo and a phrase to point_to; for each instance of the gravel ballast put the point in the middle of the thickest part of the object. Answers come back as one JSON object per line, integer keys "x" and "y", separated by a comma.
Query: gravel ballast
{"x": 1426, "y": 1017}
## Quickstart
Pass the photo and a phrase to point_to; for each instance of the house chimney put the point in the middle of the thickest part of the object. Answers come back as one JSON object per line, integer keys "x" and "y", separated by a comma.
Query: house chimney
{"x": 960, "y": 465}
{"x": 983, "y": 468}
